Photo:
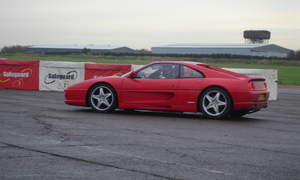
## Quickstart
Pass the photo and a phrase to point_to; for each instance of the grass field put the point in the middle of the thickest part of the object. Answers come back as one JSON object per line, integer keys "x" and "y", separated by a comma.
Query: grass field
{"x": 288, "y": 72}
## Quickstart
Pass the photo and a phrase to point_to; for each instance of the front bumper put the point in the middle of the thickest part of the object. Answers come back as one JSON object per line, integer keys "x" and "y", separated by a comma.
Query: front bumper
{"x": 75, "y": 97}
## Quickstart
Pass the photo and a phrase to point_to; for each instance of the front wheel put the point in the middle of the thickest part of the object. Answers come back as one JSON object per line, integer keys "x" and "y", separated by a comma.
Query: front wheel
{"x": 215, "y": 103}
{"x": 102, "y": 98}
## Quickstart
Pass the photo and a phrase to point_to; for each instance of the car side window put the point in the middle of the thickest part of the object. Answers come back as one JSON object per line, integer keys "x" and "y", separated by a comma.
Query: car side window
{"x": 187, "y": 72}
{"x": 159, "y": 71}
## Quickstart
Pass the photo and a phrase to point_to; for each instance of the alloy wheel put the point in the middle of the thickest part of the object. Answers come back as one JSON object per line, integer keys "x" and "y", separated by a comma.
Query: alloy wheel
{"x": 102, "y": 98}
{"x": 214, "y": 103}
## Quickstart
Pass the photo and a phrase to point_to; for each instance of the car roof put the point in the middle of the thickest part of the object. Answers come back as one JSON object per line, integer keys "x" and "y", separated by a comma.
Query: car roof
{"x": 180, "y": 62}
{"x": 206, "y": 66}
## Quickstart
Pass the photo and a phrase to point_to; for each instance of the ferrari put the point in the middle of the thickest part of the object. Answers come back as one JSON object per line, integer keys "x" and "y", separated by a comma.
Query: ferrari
{"x": 174, "y": 86}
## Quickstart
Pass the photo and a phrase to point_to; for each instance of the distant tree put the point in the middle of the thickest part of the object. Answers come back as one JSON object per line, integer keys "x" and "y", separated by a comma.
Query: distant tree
{"x": 291, "y": 55}
{"x": 144, "y": 51}
{"x": 297, "y": 55}
{"x": 14, "y": 49}
{"x": 86, "y": 51}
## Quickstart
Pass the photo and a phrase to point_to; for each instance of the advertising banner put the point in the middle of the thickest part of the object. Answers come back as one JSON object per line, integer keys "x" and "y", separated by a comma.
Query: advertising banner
{"x": 56, "y": 76}
{"x": 270, "y": 75}
{"x": 19, "y": 74}
{"x": 93, "y": 71}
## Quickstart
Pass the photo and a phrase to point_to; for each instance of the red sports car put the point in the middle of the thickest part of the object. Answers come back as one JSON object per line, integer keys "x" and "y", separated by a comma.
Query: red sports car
{"x": 174, "y": 86}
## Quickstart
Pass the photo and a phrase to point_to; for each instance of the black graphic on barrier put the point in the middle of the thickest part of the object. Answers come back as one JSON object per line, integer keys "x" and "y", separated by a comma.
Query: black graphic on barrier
{"x": 53, "y": 77}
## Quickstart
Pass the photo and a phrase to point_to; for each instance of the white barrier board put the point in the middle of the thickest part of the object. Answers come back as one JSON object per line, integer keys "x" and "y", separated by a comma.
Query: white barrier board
{"x": 270, "y": 75}
{"x": 56, "y": 76}
{"x": 136, "y": 67}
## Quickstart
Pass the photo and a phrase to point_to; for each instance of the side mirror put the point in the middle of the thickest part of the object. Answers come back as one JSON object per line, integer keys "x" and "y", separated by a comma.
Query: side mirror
{"x": 132, "y": 75}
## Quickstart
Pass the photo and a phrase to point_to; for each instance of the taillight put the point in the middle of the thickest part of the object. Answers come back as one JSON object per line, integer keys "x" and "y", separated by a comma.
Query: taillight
{"x": 250, "y": 85}
{"x": 266, "y": 85}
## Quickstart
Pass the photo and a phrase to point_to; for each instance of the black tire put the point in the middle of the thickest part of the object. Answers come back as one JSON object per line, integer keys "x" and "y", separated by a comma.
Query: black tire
{"x": 102, "y": 98}
{"x": 215, "y": 106}
{"x": 129, "y": 110}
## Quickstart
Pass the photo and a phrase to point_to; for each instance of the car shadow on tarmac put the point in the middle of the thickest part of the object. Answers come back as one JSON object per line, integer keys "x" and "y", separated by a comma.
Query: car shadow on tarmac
{"x": 170, "y": 114}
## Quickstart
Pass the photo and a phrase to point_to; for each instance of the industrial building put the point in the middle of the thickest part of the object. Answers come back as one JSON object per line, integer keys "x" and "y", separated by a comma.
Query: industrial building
{"x": 256, "y": 44}
{"x": 264, "y": 50}
{"x": 79, "y": 49}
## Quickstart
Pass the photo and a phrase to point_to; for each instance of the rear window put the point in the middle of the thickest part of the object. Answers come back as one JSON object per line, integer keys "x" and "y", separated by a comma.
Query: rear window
{"x": 187, "y": 72}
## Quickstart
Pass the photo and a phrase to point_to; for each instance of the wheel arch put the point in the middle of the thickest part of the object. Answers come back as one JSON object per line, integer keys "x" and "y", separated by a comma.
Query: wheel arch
{"x": 98, "y": 83}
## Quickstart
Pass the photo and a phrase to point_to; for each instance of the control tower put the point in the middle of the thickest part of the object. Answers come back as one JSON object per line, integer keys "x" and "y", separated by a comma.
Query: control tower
{"x": 257, "y": 36}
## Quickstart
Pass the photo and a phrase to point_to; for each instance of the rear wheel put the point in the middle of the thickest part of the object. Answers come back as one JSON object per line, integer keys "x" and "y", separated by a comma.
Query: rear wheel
{"x": 215, "y": 103}
{"x": 102, "y": 98}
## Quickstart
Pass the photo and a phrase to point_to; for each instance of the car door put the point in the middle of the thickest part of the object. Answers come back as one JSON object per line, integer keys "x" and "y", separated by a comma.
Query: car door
{"x": 153, "y": 87}
{"x": 190, "y": 84}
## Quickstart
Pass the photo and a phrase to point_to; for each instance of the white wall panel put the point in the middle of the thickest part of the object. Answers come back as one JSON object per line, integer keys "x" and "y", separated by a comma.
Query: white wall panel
{"x": 56, "y": 76}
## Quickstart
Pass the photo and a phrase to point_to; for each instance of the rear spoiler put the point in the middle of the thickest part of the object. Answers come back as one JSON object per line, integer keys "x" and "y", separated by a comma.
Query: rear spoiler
{"x": 257, "y": 79}
{"x": 257, "y": 84}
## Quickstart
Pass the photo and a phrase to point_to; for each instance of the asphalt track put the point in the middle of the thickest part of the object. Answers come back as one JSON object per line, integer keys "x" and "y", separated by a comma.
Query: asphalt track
{"x": 42, "y": 138}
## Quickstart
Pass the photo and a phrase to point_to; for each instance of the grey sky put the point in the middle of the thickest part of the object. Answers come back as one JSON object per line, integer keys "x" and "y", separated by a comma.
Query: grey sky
{"x": 142, "y": 24}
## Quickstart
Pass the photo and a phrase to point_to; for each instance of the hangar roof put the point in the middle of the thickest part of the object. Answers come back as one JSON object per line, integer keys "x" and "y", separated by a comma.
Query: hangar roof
{"x": 255, "y": 47}
{"x": 214, "y": 45}
{"x": 272, "y": 48}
